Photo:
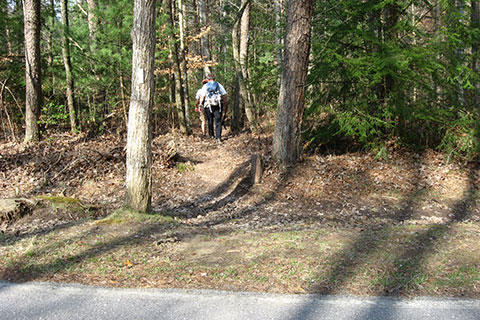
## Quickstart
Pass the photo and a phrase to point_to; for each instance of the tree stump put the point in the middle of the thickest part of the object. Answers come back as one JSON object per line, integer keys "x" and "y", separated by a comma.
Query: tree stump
{"x": 256, "y": 169}
{"x": 14, "y": 209}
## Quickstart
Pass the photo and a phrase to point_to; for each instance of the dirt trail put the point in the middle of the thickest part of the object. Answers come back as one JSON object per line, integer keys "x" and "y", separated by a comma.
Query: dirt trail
{"x": 218, "y": 164}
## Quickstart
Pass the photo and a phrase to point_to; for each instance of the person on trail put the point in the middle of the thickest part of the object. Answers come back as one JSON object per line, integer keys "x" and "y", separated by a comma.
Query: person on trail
{"x": 215, "y": 104}
{"x": 199, "y": 108}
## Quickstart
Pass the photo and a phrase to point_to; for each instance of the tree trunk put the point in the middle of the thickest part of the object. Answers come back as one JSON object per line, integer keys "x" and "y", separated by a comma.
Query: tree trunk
{"x": 240, "y": 89}
{"x": 179, "y": 102}
{"x": 461, "y": 53}
{"x": 475, "y": 49}
{"x": 50, "y": 46}
{"x": 33, "y": 84}
{"x": 92, "y": 34}
{"x": 278, "y": 38}
{"x": 183, "y": 64}
{"x": 204, "y": 43}
{"x": 437, "y": 14}
{"x": 244, "y": 92}
{"x": 68, "y": 65}
{"x": 237, "y": 123}
{"x": 455, "y": 20}
{"x": 291, "y": 101}
{"x": 138, "y": 195}
{"x": 92, "y": 24}
{"x": 123, "y": 97}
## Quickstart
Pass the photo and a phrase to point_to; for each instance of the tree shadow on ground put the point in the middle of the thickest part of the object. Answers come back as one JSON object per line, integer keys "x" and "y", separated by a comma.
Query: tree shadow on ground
{"x": 407, "y": 267}
{"x": 238, "y": 185}
{"x": 238, "y": 182}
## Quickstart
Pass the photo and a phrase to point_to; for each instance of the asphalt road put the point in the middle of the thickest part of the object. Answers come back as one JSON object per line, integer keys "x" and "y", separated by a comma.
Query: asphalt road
{"x": 70, "y": 302}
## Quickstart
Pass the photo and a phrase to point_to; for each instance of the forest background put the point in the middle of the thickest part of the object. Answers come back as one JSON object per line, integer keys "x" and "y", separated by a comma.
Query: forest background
{"x": 380, "y": 72}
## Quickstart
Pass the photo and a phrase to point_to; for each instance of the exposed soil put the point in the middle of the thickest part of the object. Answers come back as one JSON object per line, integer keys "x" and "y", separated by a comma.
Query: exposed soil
{"x": 206, "y": 189}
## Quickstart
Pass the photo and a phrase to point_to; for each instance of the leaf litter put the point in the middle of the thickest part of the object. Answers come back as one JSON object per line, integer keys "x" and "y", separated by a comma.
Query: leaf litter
{"x": 334, "y": 223}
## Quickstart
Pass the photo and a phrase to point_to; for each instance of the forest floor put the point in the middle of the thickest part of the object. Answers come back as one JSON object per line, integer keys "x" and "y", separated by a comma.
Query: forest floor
{"x": 408, "y": 224}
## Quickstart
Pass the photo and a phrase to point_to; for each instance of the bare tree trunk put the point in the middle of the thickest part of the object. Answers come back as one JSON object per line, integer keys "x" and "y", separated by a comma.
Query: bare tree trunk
{"x": 5, "y": 11}
{"x": 4, "y": 107}
{"x": 92, "y": 34}
{"x": 50, "y": 46}
{"x": 461, "y": 52}
{"x": 33, "y": 81}
{"x": 183, "y": 64}
{"x": 9, "y": 41}
{"x": 138, "y": 195}
{"x": 287, "y": 135}
{"x": 237, "y": 123}
{"x": 123, "y": 97}
{"x": 437, "y": 13}
{"x": 278, "y": 37}
{"x": 240, "y": 89}
{"x": 92, "y": 24}
{"x": 475, "y": 49}
{"x": 179, "y": 102}
{"x": 224, "y": 36}
{"x": 68, "y": 65}
{"x": 244, "y": 92}
{"x": 204, "y": 43}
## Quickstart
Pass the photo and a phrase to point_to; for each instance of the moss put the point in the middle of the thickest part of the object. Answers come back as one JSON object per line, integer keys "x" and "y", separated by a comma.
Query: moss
{"x": 60, "y": 199}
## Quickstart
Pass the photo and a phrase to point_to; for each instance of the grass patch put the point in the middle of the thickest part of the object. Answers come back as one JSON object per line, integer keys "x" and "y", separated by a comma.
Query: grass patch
{"x": 122, "y": 250}
{"x": 60, "y": 199}
{"x": 183, "y": 167}
{"x": 124, "y": 216}
{"x": 67, "y": 204}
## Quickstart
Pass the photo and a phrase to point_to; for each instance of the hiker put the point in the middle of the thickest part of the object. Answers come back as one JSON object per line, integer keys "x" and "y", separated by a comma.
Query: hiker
{"x": 199, "y": 108}
{"x": 214, "y": 101}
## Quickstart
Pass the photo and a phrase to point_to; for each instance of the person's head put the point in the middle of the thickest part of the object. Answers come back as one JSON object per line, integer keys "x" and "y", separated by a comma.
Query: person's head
{"x": 211, "y": 77}
{"x": 204, "y": 81}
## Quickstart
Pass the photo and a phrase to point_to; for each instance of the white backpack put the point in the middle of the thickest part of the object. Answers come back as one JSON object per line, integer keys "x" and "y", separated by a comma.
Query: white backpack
{"x": 213, "y": 97}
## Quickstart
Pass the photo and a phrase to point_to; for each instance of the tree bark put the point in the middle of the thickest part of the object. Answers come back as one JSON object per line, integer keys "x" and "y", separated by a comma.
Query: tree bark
{"x": 138, "y": 195}
{"x": 183, "y": 64}
{"x": 204, "y": 42}
{"x": 244, "y": 92}
{"x": 50, "y": 46}
{"x": 475, "y": 21}
{"x": 291, "y": 101}
{"x": 33, "y": 82}
{"x": 179, "y": 102}
{"x": 455, "y": 20}
{"x": 240, "y": 89}
{"x": 237, "y": 122}
{"x": 92, "y": 34}
{"x": 68, "y": 65}
{"x": 92, "y": 24}
{"x": 278, "y": 38}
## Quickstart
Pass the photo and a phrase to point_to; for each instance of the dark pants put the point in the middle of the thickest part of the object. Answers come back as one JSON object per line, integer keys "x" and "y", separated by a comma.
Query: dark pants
{"x": 214, "y": 114}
